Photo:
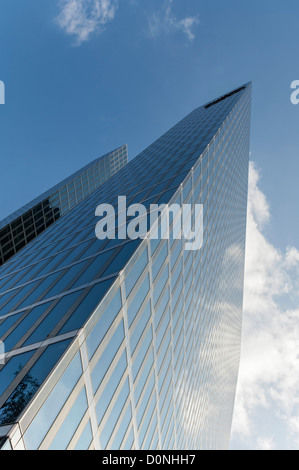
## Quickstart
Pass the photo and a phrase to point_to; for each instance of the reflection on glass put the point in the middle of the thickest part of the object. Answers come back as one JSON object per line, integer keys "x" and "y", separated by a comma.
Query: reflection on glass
{"x": 30, "y": 383}
{"x": 85, "y": 438}
{"x": 85, "y": 309}
{"x": 70, "y": 423}
{"x": 105, "y": 321}
{"x": 12, "y": 368}
{"x": 111, "y": 387}
{"x": 114, "y": 414}
{"x": 53, "y": 404}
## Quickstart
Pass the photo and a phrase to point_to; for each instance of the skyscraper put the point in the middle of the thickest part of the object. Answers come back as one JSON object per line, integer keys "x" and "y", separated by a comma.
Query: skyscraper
{"x": 25, "y": 224}
{"x": 134, "y": 344}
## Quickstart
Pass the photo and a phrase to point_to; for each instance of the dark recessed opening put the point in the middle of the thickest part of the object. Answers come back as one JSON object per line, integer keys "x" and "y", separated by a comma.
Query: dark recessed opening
{"x": 224, "y": 97}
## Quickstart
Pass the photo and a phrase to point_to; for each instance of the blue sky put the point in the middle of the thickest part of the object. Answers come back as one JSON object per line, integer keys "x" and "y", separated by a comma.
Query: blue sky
{"x": 83, "y": 77}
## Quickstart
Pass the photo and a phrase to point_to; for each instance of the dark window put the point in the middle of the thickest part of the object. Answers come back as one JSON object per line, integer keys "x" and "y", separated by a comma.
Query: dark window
{"x": 224, "y": 97}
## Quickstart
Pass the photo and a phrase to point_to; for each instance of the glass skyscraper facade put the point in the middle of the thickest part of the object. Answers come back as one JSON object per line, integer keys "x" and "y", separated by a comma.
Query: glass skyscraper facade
{"x": 134, "y": 344}
{"x": 21, "y": 227}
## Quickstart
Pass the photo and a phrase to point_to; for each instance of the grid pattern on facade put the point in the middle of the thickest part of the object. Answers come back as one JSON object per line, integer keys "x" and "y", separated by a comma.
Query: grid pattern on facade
{"x": 17, "y": 230}
{"x": 157, "y": 339}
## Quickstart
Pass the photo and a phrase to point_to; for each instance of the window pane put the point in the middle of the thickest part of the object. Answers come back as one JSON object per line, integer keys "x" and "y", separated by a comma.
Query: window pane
{"x": 66, "y": 279}
{"x": 144, "y": 346}
{"x": 86, "y": 308}
{"x": 122, "y": 258}
{"x": 115, "y": 412}
{"x": 138, "y": 300}
{"x": 111, "y": 387}
{"x": 91, "y": 273}
{"x": 70, "y": 423}
{"x": 5, "y": 326}
{"x": 103, "y": 324}
{"x": 107, "y": 357}
{"x": 159, "y": 261}
{"x": 159, "y": 285}
{"x": 85, "y": 439}
{"x": 140, "y": 327}
{"x": 12, "y": 368}
{"x": 53, "y": 318}
{"x": 11, "y": 305}
{"x": 122, "y": 429}
{"x": 143, "y": 377}
{"x": 51, "y": 407}
{"x": 38, "y": 291}
{"x": 24, "y": 326}
{"x": 136, "y": 271}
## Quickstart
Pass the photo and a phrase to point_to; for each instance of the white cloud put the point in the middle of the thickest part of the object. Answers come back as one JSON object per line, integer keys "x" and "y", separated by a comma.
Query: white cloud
{"x": 165, "y": 21}
{"x": 268, "y": 380}
{"x": 81, "y": 18}
{"x": 265, "y": 443}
